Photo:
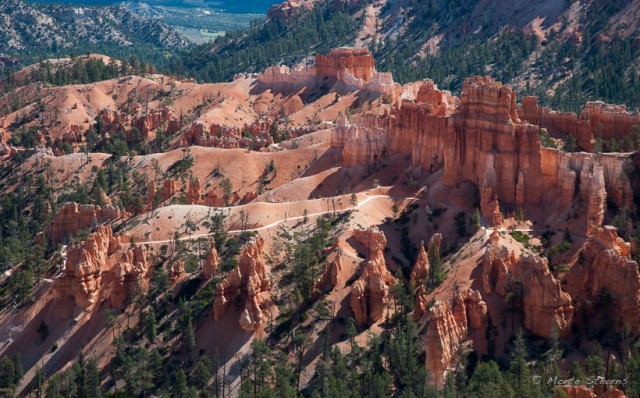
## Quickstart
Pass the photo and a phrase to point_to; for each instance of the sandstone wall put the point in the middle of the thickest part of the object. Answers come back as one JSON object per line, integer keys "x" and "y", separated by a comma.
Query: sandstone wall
{"x": 596, "y": 119}
{"x": 546, "y": 306}
{"x": 481, "y": 138}
{"x": 608, "y": 268}
{"x": 251, "y": 280}
{"x": 344, "y": 70}
{"x": 99, "y": 268}
{"x": 370, "y": 293}
{"x": 362, "y": 143}
{"x": 73, "y": 217}
{"x": 359, "y": 63}
{"x": 449, "y": 325}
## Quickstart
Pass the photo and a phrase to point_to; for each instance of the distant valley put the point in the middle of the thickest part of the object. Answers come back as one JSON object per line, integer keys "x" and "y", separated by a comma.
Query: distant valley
{"x": 199, "y": 21}
{"x": 228, "y": 6}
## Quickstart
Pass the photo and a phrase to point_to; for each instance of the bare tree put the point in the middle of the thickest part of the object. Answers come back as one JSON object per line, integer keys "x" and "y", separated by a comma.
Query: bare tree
{"x": 244, "y": 221}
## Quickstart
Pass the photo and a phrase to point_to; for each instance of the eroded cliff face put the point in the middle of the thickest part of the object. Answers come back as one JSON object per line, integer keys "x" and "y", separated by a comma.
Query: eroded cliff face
{"x": 288, "y": 9}
{"x": 597, "y": 119}
{"x": 140, "y": 122}
{"x": 481, "y": 138}
{"x": 547, "y": 308}
{"x": 331, "y": 275}
{"x": 491, "y": 147}
{"x": 100, "y": 268}
{"x": 230, "y": 137}
{"x": 361, "y": 143}
{"x": 341, "y": 62}
{"x": 251, "y": 280}
{"x": 73, "y": 217}
{"x": 342, "y": 70}
{"x": 370, "y": 293}
{"x": 449, "y": 327}
{"x": 607, "y": 269}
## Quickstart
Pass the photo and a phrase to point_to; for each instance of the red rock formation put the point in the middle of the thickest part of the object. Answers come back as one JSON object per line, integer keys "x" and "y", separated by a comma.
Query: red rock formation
{"x": 597, "y": 119}
{"x": 248, "y": 197}
{"x": 144, "y": 121}
{"x": 568, "y": 176}
{"x": 613, "y": 393}
{"x": 358, "y": 63}
{"x": 330, "y": 275}
{"x": 420, "y": 306}
{"x": 496, "y": 264}
{"x": 211, "y": 199}
{"x": 449, "y": 327}
{"x": 129, "y": 274}
{"x": 421, "y": 268}
{"x": 346, "y": 69}
{"x": 73, "y": 217}
{"x": 176, "y": 272}
{"x": 486, "y": 143}
{"x": 361, "y": 144}
{"x": 193, "y": 192}
{"x": 283, "y": 79}
{"x": 255, "y": 135}
{"x": 546, "y": 306}
{"x": 585, "y": 392}
{"x": 607, "y": 268}
{"x": 439, "y": 103}
{"x": 369, "y": 294}
{"x": 99, "y": 268}
{"x": 578, "y": 392}
{"x": 285, "y": 11}
{"x": 616, "y": 169}
{"x": 148, "y": 122}
{"x": 490, "y": 207}
{"x": 251, "y": 280}
{"x": 211, "y": 262}
{"x": 168, "y": 189}
{"x": 492, "y": 147}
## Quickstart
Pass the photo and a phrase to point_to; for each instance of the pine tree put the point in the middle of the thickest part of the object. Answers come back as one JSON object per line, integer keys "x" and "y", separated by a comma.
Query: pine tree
{"x": 180, "y": 387}
{"x": 202, "y": 374}
{"x": 150, "y": 325}
{"x": 39, "y": 382}
{"x": 188, "y": 340}
{"x": 79, "y": 376}
{"x": 519, "y": 369}
{"x": 7, "y": 375}
{"x": 92, "y": 379}
{"x": 17, "y": 368}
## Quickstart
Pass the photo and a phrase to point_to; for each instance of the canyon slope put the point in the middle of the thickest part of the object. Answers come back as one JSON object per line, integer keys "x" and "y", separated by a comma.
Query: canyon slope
{"x": 289, "y": 217}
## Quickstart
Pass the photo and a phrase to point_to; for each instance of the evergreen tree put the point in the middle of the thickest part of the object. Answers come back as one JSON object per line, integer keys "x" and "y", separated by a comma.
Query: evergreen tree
{"x": 188, "y": 340}
{"x": 92, "y": 379}
{"x": 488, "y": 381}
{"x": 7, "y": 376}
{"x": 436, "y": 270}
{"x": 202, "y": 374}
{"x": 180, "y": 386}
{"x": 150, "y": 324}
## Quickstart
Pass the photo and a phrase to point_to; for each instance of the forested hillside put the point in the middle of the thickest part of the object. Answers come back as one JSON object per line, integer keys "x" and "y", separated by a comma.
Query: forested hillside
{"x": 575, "y": 52}
{"x": 35, "y": 32}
